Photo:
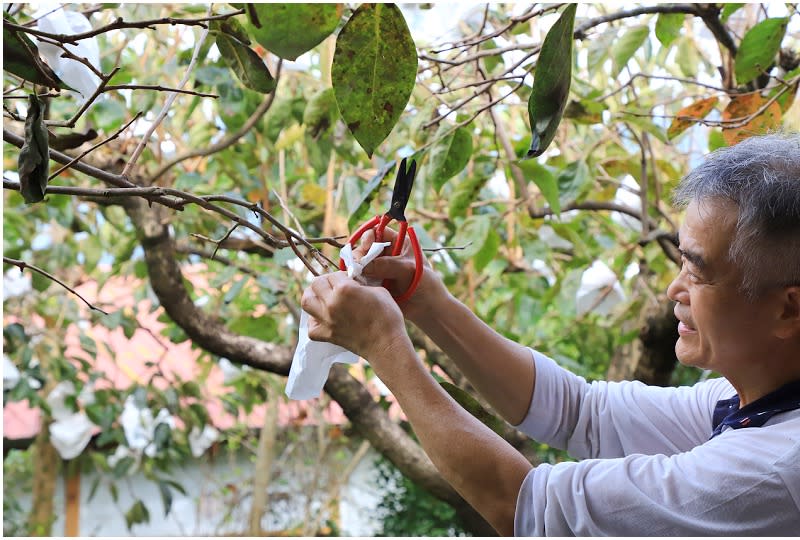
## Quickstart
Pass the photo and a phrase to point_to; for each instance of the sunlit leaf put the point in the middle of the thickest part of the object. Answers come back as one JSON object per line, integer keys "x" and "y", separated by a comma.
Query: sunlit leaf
{"x": 668, "y": 27}
{"x": 551, "y": 83}
{"x": 466, "y": 193}
{"x": 743, "y": 106}
{"x": 687, "y": 57}
{"x": 689, "y": 115}
{"x": 728, "y": 10}
{"x": 472, "y": 234}
{"x": 544, "y": 180}
{"x": 34, "y": 157}
{"x": 599, "y": 47}
{"x": 488, "y": 251}
{"x": 288, "y": 30}
{"x": 449, "y": 156}
{"x": 758, "y": 48}
{"x": 626, "y": 46}
{"x": 373, "y": 73}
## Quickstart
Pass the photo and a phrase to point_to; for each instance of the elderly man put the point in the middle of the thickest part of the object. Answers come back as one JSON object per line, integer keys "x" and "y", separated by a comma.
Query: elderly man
{"x": 719, "y": 458}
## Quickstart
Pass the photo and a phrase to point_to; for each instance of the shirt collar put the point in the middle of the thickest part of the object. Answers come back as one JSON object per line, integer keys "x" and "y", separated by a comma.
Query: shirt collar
{"x": 755, "y": 414}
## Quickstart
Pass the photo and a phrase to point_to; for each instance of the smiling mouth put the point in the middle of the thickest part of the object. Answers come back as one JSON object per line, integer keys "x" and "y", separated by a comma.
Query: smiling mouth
{"x": 684, "y": 329}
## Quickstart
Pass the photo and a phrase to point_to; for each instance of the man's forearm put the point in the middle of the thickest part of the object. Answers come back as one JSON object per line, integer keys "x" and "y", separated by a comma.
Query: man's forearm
{"x": 501, "y": 370}
{"x": 486, "y": 470}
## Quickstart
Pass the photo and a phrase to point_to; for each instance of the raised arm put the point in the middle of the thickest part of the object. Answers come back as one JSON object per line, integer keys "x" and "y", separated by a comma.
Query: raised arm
{"x": 501, "y": 370}
{"x": 479, "y": 464}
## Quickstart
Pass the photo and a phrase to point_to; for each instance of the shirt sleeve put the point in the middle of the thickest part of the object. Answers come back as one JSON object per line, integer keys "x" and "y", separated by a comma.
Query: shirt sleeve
{"x": 615, "y": 419}
{"x": 730, "y": 486}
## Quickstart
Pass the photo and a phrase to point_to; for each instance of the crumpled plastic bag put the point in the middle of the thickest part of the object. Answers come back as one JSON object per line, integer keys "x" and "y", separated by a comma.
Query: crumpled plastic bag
{"x": 54, "y": 19}
{"x": 594, "y": 294}
{"x": 70, "y": 434}
{"x": 313, "y": 359}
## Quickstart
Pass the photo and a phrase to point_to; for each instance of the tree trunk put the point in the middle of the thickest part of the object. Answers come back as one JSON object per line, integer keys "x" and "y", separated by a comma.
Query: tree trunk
{"x": 651, "y": 358}
{"x": 46, "y": 462}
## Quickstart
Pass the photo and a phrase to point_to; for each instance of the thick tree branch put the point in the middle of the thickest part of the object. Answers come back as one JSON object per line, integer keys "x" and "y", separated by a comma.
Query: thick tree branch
{"x": 371, "y": 420}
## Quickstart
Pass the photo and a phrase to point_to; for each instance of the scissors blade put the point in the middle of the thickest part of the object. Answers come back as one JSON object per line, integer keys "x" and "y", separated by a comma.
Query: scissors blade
{"x": 402, "y": 190}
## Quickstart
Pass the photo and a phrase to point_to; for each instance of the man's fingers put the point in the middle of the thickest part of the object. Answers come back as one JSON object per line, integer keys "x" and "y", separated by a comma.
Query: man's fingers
{"x": 390, "y": 268}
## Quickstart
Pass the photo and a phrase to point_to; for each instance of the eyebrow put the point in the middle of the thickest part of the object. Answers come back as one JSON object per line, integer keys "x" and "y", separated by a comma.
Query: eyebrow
{"x": 694, "y": 258}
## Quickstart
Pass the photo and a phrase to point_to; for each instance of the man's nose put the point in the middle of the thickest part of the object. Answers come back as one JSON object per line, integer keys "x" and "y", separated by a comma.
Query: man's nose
{"x": 677, "y": 291}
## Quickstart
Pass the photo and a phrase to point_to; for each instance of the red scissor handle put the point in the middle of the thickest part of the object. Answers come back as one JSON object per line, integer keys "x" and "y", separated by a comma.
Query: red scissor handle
{"x": 397, "y": 248}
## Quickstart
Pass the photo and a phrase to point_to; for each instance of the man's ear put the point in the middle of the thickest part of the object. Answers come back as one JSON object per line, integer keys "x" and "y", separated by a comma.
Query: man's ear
{"x": 789, "y": 321}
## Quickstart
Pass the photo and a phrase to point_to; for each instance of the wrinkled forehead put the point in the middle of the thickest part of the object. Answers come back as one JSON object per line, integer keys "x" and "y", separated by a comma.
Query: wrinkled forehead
{"x": 709, "y": 225}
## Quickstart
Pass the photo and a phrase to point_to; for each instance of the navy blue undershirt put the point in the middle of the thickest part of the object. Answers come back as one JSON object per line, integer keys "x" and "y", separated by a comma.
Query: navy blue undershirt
{"x": 755, "y": 414}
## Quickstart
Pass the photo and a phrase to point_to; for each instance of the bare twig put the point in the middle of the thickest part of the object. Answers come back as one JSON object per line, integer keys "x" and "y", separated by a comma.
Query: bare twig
{"x": 101, "y": 143}
{"x": 22, "y": 265}
{"x": 120, "y": 24}
{"x": 158, "y": 88}
{"x": 167, "y": 104}
{"x": 227, "y": 141}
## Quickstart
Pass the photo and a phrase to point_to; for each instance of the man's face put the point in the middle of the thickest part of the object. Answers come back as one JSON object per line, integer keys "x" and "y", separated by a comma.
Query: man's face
{"x": 719, "y": 328}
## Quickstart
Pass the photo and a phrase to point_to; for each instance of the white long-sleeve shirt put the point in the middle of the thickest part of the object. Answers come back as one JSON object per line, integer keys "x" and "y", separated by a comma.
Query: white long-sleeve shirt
{"x": 648, "y": 467}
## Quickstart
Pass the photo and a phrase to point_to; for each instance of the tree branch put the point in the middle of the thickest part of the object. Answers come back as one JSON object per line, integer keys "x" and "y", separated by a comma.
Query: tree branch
{"x": 260, "y": 111}
{"x": 22, "y": 265}
{"x": 120, "y": 24}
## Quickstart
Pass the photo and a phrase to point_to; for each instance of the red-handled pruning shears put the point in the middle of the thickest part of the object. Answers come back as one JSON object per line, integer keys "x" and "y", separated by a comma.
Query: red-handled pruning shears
{"x": 400, "y": 196}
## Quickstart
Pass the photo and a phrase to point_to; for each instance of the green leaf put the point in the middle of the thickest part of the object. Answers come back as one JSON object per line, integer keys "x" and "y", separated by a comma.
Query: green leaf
{"x": 687, "y": 57}
{"x": 320, "y": 114}
{"x": 668, "y": 27}
{"x": 488, "y": 251}
{"x": 166, "y": 496}
{"x": 758, "y": 48}
{"x": 136, "y": 514}
{"x": 235, "y": 289}
{"x": 244, "y": 62}
{"x": 449, "y": 156}
{"x": 231, "y": 27}
{"x": 34, "y": 158}
{"x": 162, "y": 435}
{"x": 264, "y": 328}
{"x": 599, "y": 47}
{"x": 472, "y": 233}
{"x": 544, "y": 180}
{"x": 289, "y": 30}
{"x": 471, "y": 405}
{"x": 361, "y": 206}
{"x": 728, "y": 10}
{"x": 21, "y": 57}
{"x": 624, "y": 48}
{"x": 374, "y": 71}
{"x": 551, "y": 83}
{"x": 465, "y": 193}
{"x": 573, "y": 181}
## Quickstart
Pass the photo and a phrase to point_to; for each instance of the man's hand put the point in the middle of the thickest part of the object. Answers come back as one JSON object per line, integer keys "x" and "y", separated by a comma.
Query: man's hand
{"x": 362, "y": 319}
{"x": 399, "y": 271}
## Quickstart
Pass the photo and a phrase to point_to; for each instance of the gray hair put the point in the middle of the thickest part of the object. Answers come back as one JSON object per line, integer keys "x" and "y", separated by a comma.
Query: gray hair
{"x": 761, "y": 175}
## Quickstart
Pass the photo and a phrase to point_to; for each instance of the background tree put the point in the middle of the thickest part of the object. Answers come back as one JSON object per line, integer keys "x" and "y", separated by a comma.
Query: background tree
{"x": 132, "y": 150}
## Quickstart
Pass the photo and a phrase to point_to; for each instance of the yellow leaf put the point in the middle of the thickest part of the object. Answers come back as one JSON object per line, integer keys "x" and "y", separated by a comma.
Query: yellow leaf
{"x": 689, "y": 115}
{"x": 740, "y": 108}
